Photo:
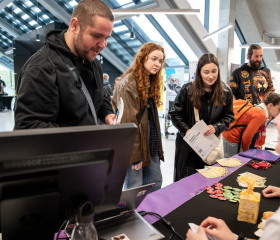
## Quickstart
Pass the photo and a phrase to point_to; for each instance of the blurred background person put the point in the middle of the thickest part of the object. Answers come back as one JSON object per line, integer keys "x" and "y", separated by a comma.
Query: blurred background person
{"x": 107, "y": 86}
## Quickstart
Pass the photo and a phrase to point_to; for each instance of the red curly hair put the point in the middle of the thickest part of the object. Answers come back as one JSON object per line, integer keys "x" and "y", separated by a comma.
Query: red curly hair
{"x": 147, "y": 85}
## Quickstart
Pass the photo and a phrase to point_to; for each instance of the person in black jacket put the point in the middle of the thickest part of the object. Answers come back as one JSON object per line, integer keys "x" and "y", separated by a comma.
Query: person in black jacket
{"x": 213, "y": 99}
{"x": 252, "y": 82}
{"x": 48, "y": 94}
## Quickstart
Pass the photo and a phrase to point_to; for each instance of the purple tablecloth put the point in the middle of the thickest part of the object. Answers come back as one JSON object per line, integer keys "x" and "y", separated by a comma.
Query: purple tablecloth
{"x": 167, "y": 199}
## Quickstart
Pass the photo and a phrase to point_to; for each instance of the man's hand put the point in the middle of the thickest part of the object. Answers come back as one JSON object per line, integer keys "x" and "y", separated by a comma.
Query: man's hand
{"x": 109, "y": 119}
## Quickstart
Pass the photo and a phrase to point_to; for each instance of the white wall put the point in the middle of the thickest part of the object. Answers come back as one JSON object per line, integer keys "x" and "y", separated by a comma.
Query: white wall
{"x": 276, "y": 80}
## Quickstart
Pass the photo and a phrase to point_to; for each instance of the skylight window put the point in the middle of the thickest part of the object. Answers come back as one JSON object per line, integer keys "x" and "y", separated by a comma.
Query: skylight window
{"x": 32, "y": 22}
{"x": 73, "y": 3}
{"x": 28, "y": 3}
{"x": 124, "y": 2}
{"x": 24, "y": 16}
{"x": 45, "y": 16}
{"x": 17, "y": 10}
{"x": 120, "y": 28}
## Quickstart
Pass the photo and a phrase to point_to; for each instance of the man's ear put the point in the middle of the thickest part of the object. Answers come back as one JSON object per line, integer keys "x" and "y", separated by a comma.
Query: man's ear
{"x": 74, "y": 24}
{"x": 270, "y": 105}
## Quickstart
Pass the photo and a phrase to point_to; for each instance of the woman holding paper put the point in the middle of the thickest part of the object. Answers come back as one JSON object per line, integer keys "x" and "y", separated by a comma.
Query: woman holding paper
{"x": 218, "y": 229}
{"x": 140, "y": 89}
{"x": 213, "y": 99}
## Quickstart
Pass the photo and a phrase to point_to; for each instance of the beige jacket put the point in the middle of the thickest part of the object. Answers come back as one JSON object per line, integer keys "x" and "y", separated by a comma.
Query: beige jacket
{"x": 127, "y": 90}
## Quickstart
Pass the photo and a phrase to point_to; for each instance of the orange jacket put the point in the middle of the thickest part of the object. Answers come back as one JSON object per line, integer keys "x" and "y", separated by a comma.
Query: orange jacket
{"x": 253, "y": 118}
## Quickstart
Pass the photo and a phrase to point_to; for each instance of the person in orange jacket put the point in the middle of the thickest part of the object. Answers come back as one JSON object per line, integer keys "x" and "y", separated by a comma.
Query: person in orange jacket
{"x": 239, "y": 135}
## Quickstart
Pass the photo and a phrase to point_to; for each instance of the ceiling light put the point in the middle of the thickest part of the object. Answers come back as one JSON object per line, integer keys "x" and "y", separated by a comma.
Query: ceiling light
{"x": 38, "y": 38}
{"x": 222, "y": 29}
{"x": 132, "y": 36}
{"x": 266, "y": 46}
{"x": 154, "y": 11}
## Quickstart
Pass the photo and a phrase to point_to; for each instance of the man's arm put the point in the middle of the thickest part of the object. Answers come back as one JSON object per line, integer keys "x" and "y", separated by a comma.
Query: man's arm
{"x": 234, "y": 83}
{"x": 37, "y": 103}
{"x": 270, "y": 88}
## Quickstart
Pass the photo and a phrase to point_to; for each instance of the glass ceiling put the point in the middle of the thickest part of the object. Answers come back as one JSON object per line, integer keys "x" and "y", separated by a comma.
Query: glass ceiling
{"x": 20, "y": 17}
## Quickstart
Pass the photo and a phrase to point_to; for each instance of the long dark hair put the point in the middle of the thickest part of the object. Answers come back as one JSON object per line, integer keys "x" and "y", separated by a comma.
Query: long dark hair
{"x": 198, "y": 87}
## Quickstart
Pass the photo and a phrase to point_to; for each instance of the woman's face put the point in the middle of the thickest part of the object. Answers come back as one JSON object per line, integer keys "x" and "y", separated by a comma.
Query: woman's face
{"x": 209, "y": 74}
{"x": 154, "y": 62}
{"x": 273, "y": 110}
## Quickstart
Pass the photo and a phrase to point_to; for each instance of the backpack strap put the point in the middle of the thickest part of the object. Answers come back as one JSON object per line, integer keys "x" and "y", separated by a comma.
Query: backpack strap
{"x": 241, "y": 125}
{"x": 78, "y": 77}
{"x": 239, "y": 110}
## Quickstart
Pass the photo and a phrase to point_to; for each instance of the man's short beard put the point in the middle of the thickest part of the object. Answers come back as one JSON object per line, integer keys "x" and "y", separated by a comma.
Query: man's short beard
{"x": 253, "y": 64}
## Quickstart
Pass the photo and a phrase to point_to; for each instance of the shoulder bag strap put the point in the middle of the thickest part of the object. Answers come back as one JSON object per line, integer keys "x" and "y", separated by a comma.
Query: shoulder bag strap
{"x": 196, "y": 114}
{"x": 140, "y": 114}
{"x": 73, "y": 69}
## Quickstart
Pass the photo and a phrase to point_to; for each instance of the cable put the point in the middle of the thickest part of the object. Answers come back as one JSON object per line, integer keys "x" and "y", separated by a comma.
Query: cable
{"x": 59, "y": 230}
{"x": 167, "y": 223}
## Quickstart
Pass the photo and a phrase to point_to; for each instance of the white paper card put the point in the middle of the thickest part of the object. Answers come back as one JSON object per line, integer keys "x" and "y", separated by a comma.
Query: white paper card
{"x": 201, "y": 144}
{"x": 119, "y": 111}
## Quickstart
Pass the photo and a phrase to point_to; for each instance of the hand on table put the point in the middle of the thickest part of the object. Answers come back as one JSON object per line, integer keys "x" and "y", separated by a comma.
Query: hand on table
{"x": 214, "y": 227}
{"x": 271, "y": 192}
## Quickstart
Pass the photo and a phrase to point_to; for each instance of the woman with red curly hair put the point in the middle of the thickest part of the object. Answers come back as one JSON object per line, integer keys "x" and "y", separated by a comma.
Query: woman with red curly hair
{"x": 140, "y": 90}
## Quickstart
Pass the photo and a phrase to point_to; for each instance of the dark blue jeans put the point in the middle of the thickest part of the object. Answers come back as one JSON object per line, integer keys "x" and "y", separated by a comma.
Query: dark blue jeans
{"x": 146, "y": 175}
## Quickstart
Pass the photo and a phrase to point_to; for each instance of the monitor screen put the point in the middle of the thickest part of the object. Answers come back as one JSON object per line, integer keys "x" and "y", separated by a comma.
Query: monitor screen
{"x": 46, "y": 173}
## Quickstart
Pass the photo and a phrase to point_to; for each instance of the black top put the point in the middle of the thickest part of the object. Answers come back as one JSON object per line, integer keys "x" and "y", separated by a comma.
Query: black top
{"x": 48, "y": 95}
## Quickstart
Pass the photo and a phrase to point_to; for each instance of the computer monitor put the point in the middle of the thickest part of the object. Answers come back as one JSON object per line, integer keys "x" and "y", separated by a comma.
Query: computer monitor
{"x": 46, "y": 173}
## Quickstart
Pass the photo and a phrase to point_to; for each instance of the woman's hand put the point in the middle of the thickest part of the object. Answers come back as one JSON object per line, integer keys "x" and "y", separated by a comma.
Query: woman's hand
{"x": 200, "y": 235}
{"x": 137, "y": 166}
{"x": 217, "y": 228}
{"x": 209, "y": 131}
{"x": 271, "y": 192}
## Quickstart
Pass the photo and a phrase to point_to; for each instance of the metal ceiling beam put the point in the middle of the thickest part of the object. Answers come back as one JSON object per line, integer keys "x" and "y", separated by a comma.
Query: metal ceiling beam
{"x": 56, "y": 10}
{"x": 168, "y": 39}
{"x": 9, "y": 28}
{"x": 139, "y": 33}
{"x": 114, "y": 60}
{"x": 186, "y": 29}
{"x": 253, "y": 32}
{"x": 123, "y": 44}
{"x": 30, "y": 14}
{"x": 4, "y": 4}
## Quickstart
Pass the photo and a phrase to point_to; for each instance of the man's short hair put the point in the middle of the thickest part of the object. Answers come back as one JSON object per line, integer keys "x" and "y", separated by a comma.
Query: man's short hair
{"x": 87, "y": 9}
{"x": 252, "y": 47}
